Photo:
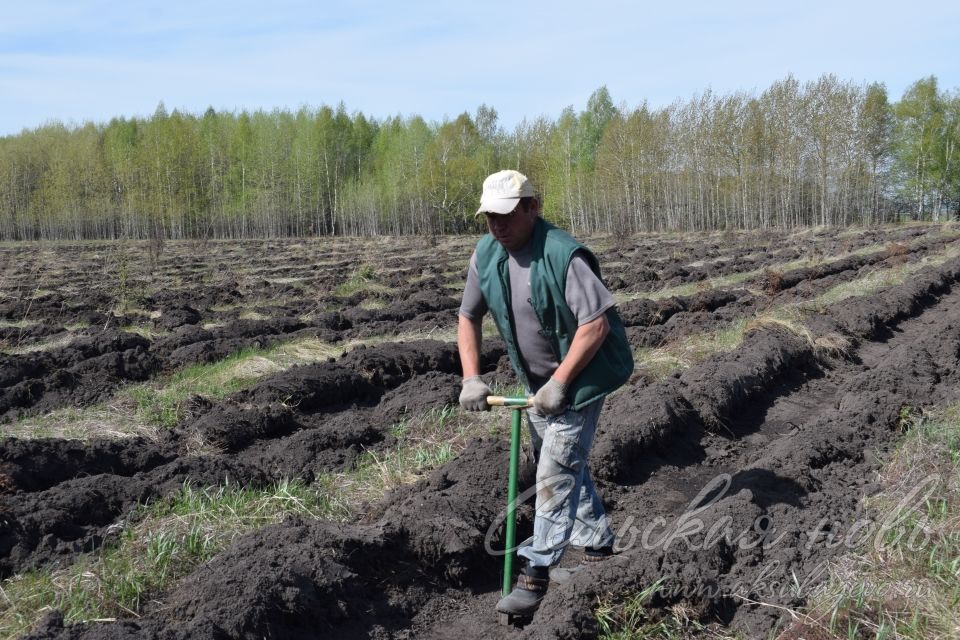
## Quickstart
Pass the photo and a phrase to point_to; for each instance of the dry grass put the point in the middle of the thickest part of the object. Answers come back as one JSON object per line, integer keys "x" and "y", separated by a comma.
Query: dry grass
{"x": 879, "y": 279}
{"x": 253, "y": 315}
{"x": 772, "y": 282}
{"x": 659, "y": 362}
{"x": 373, "y": 304}
{"x": 117, "y": 418}
{"x": 903, "y": 581}
{"x": 286, "y": 280}
{"x": 790, "y": 318}
{"x": 629, "y": 617}
{"x": 55, "y": 342}
{"x": 16, "y": 324}
{"x": 147, "y": 331}
{"x": 897, "y": 251}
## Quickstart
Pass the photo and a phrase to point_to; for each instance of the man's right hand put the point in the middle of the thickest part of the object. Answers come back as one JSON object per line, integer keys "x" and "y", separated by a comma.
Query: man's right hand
{"x": 473, "y": 396}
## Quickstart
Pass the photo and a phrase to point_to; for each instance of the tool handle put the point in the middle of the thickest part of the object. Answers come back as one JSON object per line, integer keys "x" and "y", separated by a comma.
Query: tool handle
{"x": 508, "y": 401}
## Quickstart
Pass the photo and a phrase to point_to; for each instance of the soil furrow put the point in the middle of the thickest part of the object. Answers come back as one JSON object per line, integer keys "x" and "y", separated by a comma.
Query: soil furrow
{"x": 729, "y": 481}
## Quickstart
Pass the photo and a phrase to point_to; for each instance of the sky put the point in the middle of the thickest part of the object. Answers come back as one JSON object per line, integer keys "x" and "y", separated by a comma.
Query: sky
{"x": 91, "y": 60}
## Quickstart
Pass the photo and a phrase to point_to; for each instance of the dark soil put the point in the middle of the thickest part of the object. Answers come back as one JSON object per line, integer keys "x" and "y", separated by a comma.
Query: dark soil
{"x": 730, "y": 481}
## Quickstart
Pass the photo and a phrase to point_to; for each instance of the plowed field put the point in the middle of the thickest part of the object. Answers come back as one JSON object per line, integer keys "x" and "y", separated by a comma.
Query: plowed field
{"x": 773, "y": 373}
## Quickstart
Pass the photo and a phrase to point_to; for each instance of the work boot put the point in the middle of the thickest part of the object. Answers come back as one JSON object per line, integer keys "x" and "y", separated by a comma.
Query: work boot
{"x": 526, "y": 596}
{"x": 591, "y": 557}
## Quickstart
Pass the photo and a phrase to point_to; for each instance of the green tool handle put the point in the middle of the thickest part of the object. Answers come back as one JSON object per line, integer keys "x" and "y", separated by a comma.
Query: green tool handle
{"x": 507, "y": 401}
{"x": 516, "y": 404}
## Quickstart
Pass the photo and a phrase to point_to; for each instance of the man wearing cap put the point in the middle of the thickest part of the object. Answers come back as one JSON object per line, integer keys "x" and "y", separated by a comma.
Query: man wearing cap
{"x": 567, "y": 346}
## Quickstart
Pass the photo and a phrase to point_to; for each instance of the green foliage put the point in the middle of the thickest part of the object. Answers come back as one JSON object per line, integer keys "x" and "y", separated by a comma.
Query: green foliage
{"x": 927, "y": 141}
{"x": 825, "y": 152}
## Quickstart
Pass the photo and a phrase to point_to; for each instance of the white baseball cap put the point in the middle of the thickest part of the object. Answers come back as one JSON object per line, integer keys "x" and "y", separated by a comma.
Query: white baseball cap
{"x": 503, "y": 190}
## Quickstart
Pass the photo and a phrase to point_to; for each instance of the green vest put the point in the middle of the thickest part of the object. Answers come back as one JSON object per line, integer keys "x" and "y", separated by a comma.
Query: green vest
{"x": 551, "y": 252}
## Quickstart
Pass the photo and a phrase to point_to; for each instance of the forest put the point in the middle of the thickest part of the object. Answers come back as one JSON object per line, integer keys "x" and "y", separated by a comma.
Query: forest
{"x": 824, "y": 152}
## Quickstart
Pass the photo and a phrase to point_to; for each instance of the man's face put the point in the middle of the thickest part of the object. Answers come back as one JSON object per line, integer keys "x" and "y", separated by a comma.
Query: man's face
{"x": 513, "y": 230}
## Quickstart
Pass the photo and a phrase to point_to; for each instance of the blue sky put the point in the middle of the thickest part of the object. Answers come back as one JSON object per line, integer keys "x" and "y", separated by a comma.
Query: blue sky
{"x": 83, "y": 60}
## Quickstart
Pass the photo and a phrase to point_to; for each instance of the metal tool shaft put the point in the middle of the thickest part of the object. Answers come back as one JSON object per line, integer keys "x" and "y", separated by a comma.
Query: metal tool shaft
{"x": 516, "y": 405}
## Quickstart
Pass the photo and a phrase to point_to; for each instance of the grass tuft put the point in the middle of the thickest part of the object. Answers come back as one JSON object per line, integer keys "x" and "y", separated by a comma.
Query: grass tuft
{"x": 16, "y": 324}
{"x": 364, "y": 278}
{"x": 55, "y": 342}
{"x": 633, "y": 618}
{"x": 659, "y": 362}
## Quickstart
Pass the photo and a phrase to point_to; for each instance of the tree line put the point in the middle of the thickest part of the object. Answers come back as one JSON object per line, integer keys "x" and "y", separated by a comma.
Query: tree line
{"x": 826, "y": 152}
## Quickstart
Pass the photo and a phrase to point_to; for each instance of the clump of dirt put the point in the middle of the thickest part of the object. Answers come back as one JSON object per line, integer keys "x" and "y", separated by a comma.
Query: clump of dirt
{"x": 78, "y": 374}
{"x": 312, "y": 388}
{"x": 75, "y": 515}
{"x": 771, "y": 281}
{"x": 419, "y": 396}
{"x": 230, "y": 427}
{"x": 722, "y": 385}
{"x": 34, "y": 465}
{"x": 445, "y": 518}
{"x": 668, "y": 422}
{"x": 177, "y": 316}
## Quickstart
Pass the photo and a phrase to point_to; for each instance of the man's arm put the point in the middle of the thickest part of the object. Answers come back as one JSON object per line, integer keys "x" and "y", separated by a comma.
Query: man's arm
{"x": 473, "y": 395}
{"x": 586, "y": 342}
{"x": 469, "y": 334}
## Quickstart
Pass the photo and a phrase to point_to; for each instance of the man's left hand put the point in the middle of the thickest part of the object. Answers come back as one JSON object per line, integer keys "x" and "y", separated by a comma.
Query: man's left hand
{"x": 551, "y": 400}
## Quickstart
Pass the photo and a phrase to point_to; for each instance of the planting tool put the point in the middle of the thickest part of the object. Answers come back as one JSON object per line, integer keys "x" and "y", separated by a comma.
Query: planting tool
{"x": 516, "y": 405}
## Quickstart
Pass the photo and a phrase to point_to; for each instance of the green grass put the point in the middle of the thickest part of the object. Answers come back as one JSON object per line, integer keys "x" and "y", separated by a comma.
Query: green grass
{"x": 364, "y": 278}
{"x": 162, "y": 402}
{"x": 631, "y": 618}
{"x": 162, "y": 405}
{"x": 904, "y": 581}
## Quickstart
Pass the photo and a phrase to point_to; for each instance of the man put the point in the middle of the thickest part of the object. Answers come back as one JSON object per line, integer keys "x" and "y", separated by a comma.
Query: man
{"x": 567, "y": 346}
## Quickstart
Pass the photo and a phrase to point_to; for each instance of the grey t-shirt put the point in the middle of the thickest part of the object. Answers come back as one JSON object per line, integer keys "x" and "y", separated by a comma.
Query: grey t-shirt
{"x": 586, "y": 296}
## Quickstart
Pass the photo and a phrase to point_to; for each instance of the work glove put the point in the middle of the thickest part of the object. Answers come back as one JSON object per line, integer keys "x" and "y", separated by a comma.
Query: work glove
{"x": 473, "y": 396}
{"x": 551, "y": 399}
